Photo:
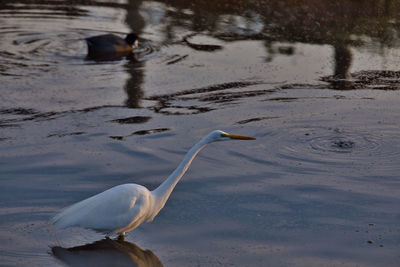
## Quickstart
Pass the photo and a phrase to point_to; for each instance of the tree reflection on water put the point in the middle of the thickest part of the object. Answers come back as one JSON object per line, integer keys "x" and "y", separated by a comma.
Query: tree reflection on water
{"x": 341, "y": 24}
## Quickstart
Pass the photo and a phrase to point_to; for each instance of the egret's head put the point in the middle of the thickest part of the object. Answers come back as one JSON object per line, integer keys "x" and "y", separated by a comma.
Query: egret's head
{"x": 218, "y": 135}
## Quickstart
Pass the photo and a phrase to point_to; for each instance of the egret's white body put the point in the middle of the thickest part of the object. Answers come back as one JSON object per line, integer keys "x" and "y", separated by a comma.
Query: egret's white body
{"x": 124, "y": 207}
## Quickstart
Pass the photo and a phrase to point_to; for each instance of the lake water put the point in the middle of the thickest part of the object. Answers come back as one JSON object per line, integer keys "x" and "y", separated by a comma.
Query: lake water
{"x": 316, "y": 83}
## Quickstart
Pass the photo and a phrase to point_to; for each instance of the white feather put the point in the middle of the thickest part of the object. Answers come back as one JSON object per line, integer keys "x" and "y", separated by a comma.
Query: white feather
{"x": 124, "y": 207}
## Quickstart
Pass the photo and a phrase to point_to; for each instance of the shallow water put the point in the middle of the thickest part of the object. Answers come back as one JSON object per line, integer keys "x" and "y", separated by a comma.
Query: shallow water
{"x": 315, "y": 83}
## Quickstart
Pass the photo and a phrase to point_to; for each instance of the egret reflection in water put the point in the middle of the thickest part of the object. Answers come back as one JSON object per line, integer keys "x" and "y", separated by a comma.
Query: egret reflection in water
{"x": 106, "y": 252}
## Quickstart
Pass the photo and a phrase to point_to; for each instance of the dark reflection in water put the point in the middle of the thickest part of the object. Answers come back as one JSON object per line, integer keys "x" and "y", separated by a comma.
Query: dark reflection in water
{"x": 133, "y": 86}
{"x": 141, "y": 132}
{"x": 217, "y": 93}
{"x": 280, "y": 27}
{"x": 307, "y": 21}
{"x": 133, "y": 18}
{"x": 110, "y": 57}
{"x": 372, "y": 79}
{"x": 341, "y": 24}
{"x": 135, "y": 119}
{"x": 107, "y": 252}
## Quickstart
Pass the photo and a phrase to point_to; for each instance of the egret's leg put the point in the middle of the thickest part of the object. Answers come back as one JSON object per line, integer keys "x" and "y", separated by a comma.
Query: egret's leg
{"x": 121, "y": 236}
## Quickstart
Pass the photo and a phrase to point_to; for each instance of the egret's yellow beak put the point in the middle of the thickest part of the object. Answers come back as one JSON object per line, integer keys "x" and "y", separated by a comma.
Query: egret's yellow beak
{"x": 239, "y": 137}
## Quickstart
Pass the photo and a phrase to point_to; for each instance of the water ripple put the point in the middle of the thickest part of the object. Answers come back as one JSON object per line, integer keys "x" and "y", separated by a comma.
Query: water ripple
{"x": 339, "y": 147}
{"x": 338, "y": 141}
{"x": 32, "y": 53}
{"x": 28, "y": 52}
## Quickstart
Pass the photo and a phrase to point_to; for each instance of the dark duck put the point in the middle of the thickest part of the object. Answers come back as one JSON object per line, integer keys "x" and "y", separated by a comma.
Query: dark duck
{"x": 107, "y": 44}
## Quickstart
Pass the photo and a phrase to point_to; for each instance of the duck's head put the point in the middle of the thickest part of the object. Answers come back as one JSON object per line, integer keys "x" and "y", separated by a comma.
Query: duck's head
{"x": 132, "y": 39}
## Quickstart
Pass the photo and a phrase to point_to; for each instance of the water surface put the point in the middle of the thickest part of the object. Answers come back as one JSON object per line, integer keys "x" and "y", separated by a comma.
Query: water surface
{"x": 315, "y": 82}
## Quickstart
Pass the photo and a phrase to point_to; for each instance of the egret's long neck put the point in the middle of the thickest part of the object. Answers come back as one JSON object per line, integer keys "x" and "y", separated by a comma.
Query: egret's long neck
{"x": 163, "y": 192}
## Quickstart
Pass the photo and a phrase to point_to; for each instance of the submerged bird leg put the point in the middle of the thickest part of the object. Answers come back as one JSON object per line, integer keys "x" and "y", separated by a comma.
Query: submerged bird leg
{"x": 121, "y": 237}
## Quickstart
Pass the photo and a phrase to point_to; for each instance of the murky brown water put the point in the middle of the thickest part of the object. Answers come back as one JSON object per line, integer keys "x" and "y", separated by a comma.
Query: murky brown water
{"x": 316, "y": 82}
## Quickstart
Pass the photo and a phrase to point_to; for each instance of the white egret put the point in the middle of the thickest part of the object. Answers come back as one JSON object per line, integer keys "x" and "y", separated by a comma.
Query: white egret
{"x": 124, "y": 207}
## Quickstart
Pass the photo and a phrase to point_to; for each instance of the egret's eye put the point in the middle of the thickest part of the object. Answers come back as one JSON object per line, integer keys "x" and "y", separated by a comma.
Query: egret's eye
{"x": 90, "y": 213}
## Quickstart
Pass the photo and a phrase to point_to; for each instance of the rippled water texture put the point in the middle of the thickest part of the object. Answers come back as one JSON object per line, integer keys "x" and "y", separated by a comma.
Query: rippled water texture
{"x": 316, "y": 82}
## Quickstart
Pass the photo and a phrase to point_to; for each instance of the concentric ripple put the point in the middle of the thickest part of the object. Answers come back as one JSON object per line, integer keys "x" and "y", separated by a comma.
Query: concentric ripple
{"x": 31, "y": 53}
{"x": 339, "y": 147}
{"x": 145, "y": 51}
{"x": 27, "y": 52}
{"x": 338, "y": 141}
{"x": 30, "y": 45}
{"x": 43, "y": 57}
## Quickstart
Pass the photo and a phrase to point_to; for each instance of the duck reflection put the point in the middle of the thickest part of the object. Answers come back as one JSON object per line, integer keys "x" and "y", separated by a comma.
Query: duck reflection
{"x": 117, "y": 56}
{"x": 106, "y": 252}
